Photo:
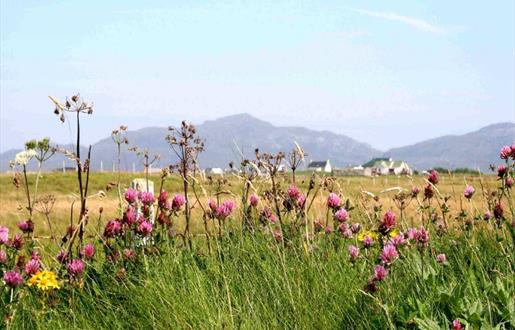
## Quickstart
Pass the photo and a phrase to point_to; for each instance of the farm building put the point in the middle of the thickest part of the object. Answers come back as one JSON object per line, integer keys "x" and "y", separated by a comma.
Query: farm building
{"x": 214, "y": 171}
{"x": 320, "y": 166}
{"x": 386, "y": 166}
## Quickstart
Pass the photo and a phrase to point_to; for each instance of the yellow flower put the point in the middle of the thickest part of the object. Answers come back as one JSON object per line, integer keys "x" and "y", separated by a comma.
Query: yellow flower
{"x": 393, "y": 233}
{"x": 363, "y": 234}
{"x": 44, "y": 280}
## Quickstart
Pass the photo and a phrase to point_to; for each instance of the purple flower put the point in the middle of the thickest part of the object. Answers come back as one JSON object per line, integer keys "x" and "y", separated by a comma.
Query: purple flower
{"x": 501, "y": 171}
{"x": 76, "y": 267}
{"x": 333, "y": 201}
{"x": 422, "y": 236}
{"x": 433, "y": 177}
{"x": 212, "y": 205}
{"x": 130, "y": 216}
{"x": 62, "y": 257}
{"x": 301, "y": 200}
{"x": 162, "y": 199}
{"x": 88, "y": 251}
{"x": 468, "y": 192}
{"x": 129, "y": 254}
{"x": 113, "y": 228}
{"x": 498, "y": 211}
{"x": 4, "y": 235}
{"x": 428, "y": 192}
{"x": 411, "y": 234}
{"x": 380, "y": 273}
{"x": 353, "y": 252}
{"x": 278, "y": 236}
{"x": 17, "y": 242}
{"x": 26, "y": 226}
{"x": 456, "y": 325}
{"x": 441, "y": 258}
{"x": 414, "y": 191}
{"x": 389, "y": 254}
{"x": 317, "y": 224}
{"x": 3, "y": 257}
{"x": 131, "y": 195}
{"x": 487, "y": 215}
{"x": 254, "y": 200}
{"x": 509, "y": 182}
{"x": 367, "y": 241}
{"x": 145, "y": 228}
{"x": 388, "y": 221}
{"x": 398, "y": 240}
{"x": 341, "y": 215}
{"x": 505, "y": 152}
{"x": 355, "y": 228}
{"x": 32, "y": 267}
{"x": 224, "y": 210}
{"x": 13, "y": 279}
{"x": 146, "y": 197}
{"x": 293, "y": 192}
{"x": 177, "y": 202}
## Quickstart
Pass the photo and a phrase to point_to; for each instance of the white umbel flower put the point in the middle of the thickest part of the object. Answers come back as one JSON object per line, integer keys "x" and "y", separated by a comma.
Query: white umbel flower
{"x": 23, "y": 157}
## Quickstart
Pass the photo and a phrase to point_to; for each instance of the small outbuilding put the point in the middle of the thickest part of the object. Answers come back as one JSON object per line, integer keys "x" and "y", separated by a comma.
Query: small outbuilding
{"x": 320, "y": 166}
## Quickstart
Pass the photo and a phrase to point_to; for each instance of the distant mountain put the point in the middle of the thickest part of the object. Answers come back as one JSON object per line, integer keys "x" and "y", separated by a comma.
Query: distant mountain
{"x": 223, "y": 138}
{"x": 474, "y": 150}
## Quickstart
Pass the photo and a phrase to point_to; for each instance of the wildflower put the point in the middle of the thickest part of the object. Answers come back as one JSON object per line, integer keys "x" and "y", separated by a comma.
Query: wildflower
{"x": 353, "y": 252}
{"x": 224, "y": 210}
{"x": 513, "y": 150}
{"x": 293, "y": 192}
{"x": 389, "y": 254}
{"x": 301, "y": 201}
{"x": 177, "y": 202}
{"x": 341, "y": 215}
{"x": 26, "y": 226}
{"x": 388, "y": 222}
{"x": 317, "y": 224}
{"x": 113, "y": 228}
{"x": 17, "y": 242}
{"x": 76, "y": 267}
{"x": 129, "y": 254}
{"x": 146, "y": 197}
{"x": 468, "y": 192}
{"x": 501, "y": 171}
{"x": 88, "y": 251}
{"x": 509, "y": 182}
{"x": 333, "y": 201}
{"x": 498, "y": 211}
{"x": 13, "y": 279}
{"x": 131, "y": 195}
{"x": 70, "y": 230}
{"x": 4, "y": 235}
{"x": 62, "y": 257}
{"x": 505, "y": 152}
{"x": 428, "y": 192}
{"x": 254, "y": 200}
{"x": 433, "y": 177}
{"x": 397, "y": 239}
{"x": 130, "y": 216}
{"x": 44, "y": 280}
{"x": 23, "y": 157}
{"x": 368, "y": 241}
{"x": 32, "y": 267}
{"x": 212, "y": 205}
{"x": 380, "y": 273}
{"x": 411, "y": 234}
{"x": 441, "y": 258}
{"x": 456, "y": 325}
{"x": 278, "y": 236}
{"x": 3, "y": 257}
{"x": 145, "y": 228}
{"x": 487, "y": 215}
{"x": 422, "y": 236}
{"x": 328, "y": 230}
{"x": 162, "y": 199}
{"x": 355, "y": 228}
{"x": 414, "y": 191}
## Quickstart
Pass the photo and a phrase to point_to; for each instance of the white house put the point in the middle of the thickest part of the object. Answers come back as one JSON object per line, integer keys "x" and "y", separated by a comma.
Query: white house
{"x": 320, "y": 166}
{"x": 214, "y": 171}
{"x": 386, "y": 166}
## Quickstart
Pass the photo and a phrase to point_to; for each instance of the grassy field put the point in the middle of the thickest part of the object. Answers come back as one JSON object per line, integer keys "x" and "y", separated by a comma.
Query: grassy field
{"x": 257, "y": 281}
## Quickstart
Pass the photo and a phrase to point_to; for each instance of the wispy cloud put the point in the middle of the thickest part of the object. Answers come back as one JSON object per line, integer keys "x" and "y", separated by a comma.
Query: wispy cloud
{"x": 416, "y": 23}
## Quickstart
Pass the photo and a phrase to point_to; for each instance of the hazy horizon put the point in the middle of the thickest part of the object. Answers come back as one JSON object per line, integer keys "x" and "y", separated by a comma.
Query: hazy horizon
{"x": 388, "y": 74}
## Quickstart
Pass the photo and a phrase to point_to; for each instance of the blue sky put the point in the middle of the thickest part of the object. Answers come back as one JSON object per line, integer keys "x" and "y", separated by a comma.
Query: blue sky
{"x": 389, "y": 73}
